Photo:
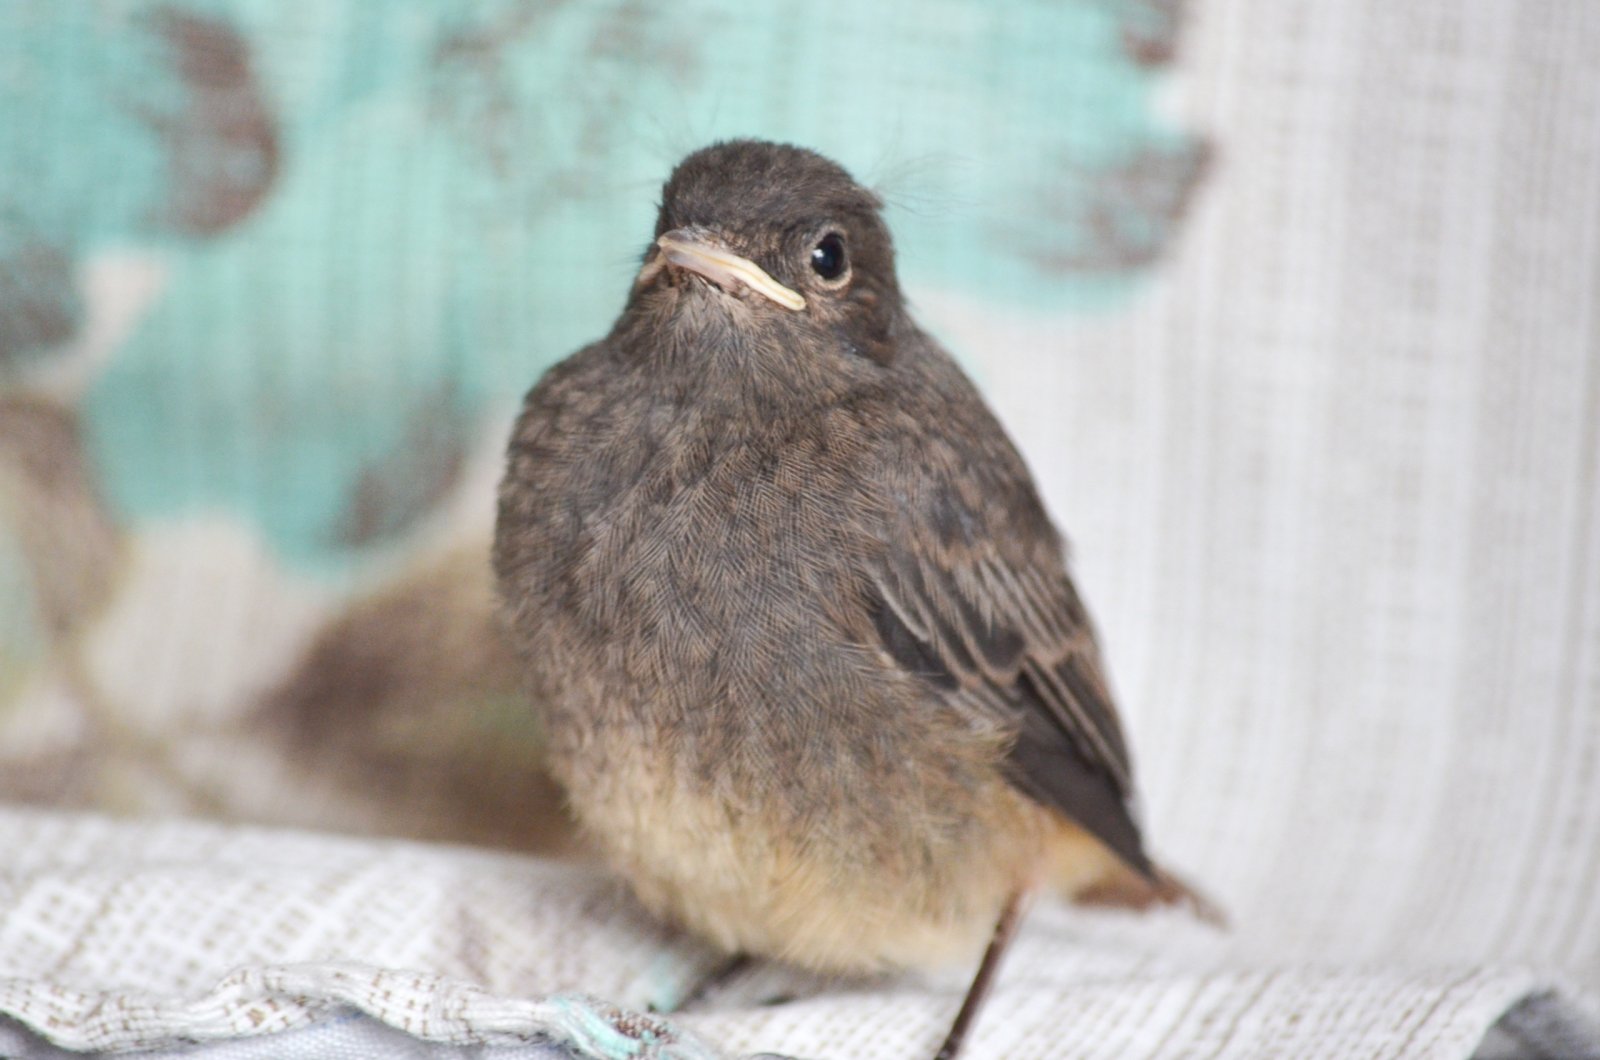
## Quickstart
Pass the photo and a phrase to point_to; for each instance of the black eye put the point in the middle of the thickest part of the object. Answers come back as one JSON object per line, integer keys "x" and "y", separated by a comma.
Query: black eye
{"x": 827, "y": 257}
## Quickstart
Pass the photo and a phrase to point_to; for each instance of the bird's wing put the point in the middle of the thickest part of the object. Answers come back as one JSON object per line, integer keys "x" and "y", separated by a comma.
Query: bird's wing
{"x": 972, "y": 595}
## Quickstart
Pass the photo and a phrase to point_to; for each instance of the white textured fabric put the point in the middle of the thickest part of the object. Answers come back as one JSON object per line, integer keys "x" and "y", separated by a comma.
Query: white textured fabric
{"x": 115, "y": 936}
{"x": 351, "y": 1036}
{"x": 1334, "y": 487}
{"x": 151, "y": 935}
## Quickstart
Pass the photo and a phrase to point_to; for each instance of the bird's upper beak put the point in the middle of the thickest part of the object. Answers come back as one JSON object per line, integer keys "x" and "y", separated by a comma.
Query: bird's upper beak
{"x": 692, "y": 250}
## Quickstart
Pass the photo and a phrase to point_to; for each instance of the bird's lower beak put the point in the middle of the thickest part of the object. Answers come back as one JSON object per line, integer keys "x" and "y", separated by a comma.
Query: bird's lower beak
{"x": 690, "y": 250}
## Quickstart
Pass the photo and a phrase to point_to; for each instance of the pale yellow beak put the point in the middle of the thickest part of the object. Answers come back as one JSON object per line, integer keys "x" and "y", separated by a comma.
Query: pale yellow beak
{"x": 689, "y": 250}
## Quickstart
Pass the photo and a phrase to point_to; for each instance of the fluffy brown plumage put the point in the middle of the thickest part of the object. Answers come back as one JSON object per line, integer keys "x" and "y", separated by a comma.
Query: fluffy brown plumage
{"x": 811, "y": 667}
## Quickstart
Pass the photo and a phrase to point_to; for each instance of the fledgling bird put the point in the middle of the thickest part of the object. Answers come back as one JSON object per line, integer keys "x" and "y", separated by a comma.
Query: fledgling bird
{"x": 811, "y": 668}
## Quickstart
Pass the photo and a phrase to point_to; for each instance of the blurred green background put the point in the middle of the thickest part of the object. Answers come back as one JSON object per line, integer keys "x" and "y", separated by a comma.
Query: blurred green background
{"x": 376, "y": 219}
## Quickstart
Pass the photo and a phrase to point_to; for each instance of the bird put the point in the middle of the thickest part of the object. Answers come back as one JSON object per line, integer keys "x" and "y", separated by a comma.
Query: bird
{"x": 797, "y": 627}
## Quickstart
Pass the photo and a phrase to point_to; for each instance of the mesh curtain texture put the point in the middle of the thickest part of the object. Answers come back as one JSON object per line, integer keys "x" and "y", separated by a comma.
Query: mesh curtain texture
{"x": 1291, "y": 305}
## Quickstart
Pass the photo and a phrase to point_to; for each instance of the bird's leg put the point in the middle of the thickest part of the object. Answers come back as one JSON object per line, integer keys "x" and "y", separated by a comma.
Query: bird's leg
{"x": 1004, "y": 929}
{"x": 716, "y": 978}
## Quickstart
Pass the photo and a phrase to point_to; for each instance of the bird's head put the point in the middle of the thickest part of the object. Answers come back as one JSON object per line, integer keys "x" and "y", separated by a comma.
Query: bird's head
{"x": 777, "y": 242}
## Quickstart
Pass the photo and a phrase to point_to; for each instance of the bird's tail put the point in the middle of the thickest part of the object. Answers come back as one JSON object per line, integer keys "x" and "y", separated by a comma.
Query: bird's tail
{"x": 1082, "y": 869}
{"x": 1127, "y": 889}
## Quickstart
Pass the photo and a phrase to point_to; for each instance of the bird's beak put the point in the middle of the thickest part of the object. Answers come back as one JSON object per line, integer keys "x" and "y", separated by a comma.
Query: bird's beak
{"x": 690, "y": 250}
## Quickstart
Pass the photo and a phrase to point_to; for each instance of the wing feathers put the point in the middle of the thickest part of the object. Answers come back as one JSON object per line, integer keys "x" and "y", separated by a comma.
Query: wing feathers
{"x": 1007, "y": 637}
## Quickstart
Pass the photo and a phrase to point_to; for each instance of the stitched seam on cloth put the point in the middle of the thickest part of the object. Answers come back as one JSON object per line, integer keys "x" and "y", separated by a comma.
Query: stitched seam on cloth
{"x": 277, "y": 998}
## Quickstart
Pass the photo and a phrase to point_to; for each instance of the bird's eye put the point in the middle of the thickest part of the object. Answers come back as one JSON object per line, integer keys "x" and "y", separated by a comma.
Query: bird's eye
{"x": 827, "y": 257}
